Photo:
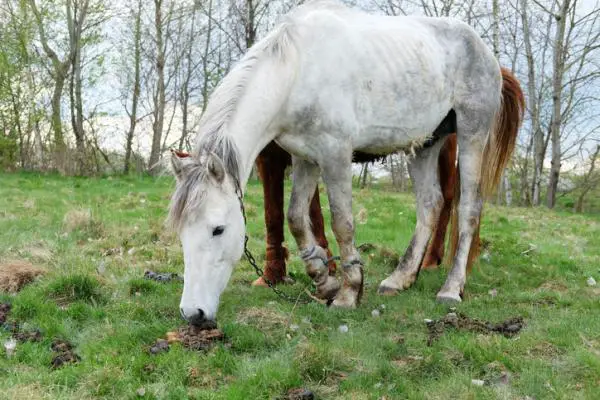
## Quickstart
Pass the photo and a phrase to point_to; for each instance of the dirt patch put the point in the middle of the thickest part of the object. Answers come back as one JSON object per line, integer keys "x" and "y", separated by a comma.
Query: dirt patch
{"x": 191, "y": 337}
{"x": 63, "y": 350}
{"x": 14, "y": 275}
{"x": 195, "y": 338}
{"x": 31, "y": 336}
{"x": 298, "y": 394}
{"x": 159, "y": 346}
{"x": 162, "y": 277}
{"x": 64, "y": 354}
{"x": 459, "y": 321}
{"x": 4, "y": 311}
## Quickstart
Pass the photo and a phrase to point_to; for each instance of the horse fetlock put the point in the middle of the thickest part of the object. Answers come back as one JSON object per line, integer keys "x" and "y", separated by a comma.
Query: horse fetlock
{"x": 328, "y": 289}
{"x": 316, "y": 267}
{"x": 351, "y": 292}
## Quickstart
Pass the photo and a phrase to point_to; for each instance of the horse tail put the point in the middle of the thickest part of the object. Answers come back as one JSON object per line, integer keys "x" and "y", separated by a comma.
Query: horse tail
{"x": 498, "y": 150}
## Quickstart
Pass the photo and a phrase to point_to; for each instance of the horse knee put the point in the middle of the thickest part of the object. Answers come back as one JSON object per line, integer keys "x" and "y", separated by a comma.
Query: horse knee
{"x": 296, "y": 219}
{"x": 343, "y": 228}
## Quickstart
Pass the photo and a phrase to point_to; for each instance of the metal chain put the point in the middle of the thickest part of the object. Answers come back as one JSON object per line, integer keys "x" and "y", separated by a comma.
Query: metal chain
{"x": 258, "y": 269}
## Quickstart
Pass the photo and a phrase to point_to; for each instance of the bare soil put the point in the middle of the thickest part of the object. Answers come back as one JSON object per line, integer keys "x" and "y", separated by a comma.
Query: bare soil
{"x": 64, "y": 354}
{"x": 461, "y": 322}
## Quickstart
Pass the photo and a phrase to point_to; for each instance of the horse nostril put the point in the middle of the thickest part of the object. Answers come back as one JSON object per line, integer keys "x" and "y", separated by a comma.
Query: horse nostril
{"x": 195, "y": 316}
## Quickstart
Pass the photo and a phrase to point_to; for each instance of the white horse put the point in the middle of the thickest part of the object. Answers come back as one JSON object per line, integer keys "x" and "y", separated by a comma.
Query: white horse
{"x": 325, "y": 82}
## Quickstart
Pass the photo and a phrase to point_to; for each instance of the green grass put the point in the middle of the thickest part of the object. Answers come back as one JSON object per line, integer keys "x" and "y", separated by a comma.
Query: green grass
{"x": 94, "y": 295}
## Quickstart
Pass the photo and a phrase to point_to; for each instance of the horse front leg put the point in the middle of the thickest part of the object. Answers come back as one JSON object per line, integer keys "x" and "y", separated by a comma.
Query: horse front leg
{"x": 305, "y": 177}
{"x": 271, "y": 164}
{"x": 424, "y": 174}
{"x": 337, "y": 174}
{"x": 318, "y": 229}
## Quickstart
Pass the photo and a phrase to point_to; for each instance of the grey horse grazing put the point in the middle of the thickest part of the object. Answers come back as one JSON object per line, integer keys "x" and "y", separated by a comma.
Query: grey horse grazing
{"x": 328, "y": 81}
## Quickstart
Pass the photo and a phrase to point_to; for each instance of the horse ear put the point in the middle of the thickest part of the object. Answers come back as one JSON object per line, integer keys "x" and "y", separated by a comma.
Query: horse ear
{"x": 215, "y": 167}
{"x": 179, "y": 160}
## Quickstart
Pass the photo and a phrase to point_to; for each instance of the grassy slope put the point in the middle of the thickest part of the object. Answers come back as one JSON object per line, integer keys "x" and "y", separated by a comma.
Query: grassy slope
{"x": 556, "y": 356}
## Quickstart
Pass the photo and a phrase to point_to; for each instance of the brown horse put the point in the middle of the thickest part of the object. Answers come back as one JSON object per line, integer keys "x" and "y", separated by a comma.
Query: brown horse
{"x": 273, "y": 161}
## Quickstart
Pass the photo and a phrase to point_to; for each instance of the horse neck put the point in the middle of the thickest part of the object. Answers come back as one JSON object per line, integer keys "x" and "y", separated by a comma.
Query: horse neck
{"x": 255, "y": 125}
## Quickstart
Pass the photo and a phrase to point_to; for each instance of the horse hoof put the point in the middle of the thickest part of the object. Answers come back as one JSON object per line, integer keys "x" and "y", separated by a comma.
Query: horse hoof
{"x": 448, "y": 298}
{"x": 387, "y": 291}
{"x": 329, "y": 290}
{"x": 343, "y": 303}
{"x": 431, "y": 263}
{"x": 346, "y": 298}
{"x": 260, "y": 282}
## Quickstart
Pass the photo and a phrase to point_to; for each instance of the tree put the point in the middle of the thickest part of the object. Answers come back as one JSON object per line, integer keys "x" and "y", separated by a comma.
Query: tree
{"x": 136, "y": 14}
{"x": 590, "y": 180}
{"x": 59, "y": 70}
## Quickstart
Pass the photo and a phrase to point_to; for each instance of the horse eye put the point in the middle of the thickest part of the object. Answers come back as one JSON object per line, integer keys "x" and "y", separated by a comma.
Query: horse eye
{"x": 218, "y": 230}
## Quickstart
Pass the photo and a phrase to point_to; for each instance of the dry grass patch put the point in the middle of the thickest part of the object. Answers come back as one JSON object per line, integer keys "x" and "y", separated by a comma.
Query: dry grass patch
{"x": 31, "y": 391}
{"x": 37, "y": 251}
{"x": 544, "y": 350}
{"x": 552, "y": 286}
{"x": 77, "y": 219}
{"x": 82, "y": 220}
{"x": 14, "y": 275}
{"x": 29, "y": 204}
{"x": 262, "y": 318}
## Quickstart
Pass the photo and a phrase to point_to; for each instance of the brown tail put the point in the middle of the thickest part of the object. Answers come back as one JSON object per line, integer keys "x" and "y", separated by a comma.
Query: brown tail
{"x": 496, "y": 155}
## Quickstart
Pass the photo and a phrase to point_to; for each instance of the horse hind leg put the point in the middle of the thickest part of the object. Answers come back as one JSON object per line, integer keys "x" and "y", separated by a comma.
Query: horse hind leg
{"x": 447, "y": 176}
{"x": 305, "y": 177}
{"x": 473, "y": 128}
{"x": 424, "y": 174}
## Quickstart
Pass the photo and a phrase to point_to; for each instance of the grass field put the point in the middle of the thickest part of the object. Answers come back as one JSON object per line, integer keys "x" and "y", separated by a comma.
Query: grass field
{"x": 96, "y": 237}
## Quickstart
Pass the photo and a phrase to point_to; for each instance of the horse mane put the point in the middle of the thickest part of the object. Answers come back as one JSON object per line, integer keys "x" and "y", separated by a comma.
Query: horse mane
{"x": 213, "y": 138}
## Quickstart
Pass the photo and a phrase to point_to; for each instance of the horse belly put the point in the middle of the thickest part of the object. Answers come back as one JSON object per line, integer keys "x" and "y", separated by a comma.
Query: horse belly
{"x": 398, "y": 126}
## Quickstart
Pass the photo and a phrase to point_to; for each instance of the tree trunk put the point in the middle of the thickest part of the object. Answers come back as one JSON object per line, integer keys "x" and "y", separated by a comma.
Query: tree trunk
{"x": 365, "y": 172}
{"x": 250, "y": 24}
{"x": 159, "y": 103}
{"x": 136, "y": 85}
{"x": 557, "y": 86}
{"x": 75, "y": 17}
{"x": 508, "y": 196}
{"x": 524, "y": 179}
{"x": 60, "y": 69}
{"x": 536, "y": 131}
{"x": 56, "y": 119}
{"x": 496, "y": 29}
{"x": 588, "y": 180}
